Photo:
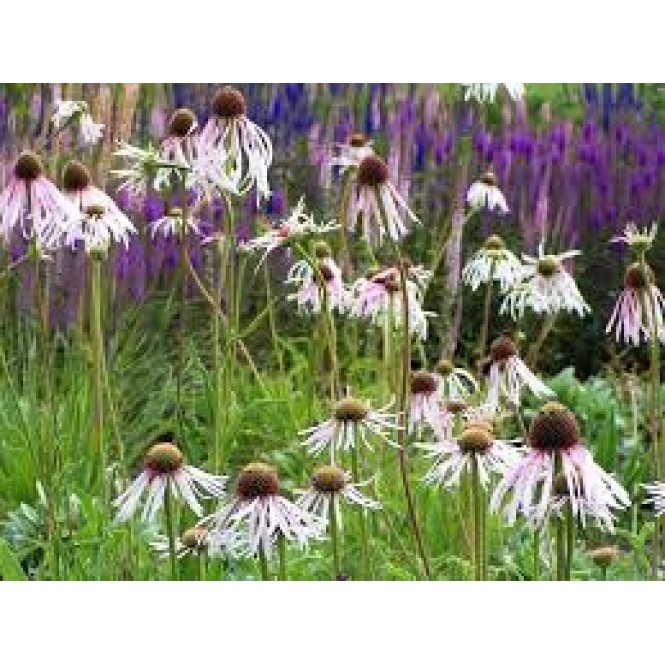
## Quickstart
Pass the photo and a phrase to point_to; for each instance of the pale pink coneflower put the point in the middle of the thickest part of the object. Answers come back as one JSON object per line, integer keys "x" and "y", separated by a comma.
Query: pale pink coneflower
{"x": 309, "y": 295}
{"x": 353, "y": 422}
{"x": 455, "y": 382}
{"x": 295, "y": 227}
{"x": 425, "y": 404}
{"x": 174, "y": 224}
{"x": 328, "y": 487}
{"x": 555, "y": 442}
{"x": 545, "y": 287}
{"x": 248, "y": 147}
{"x": 378, "y": 298}
{"x": 639, "y": 240}
{"x": 259, "y": 514}
{"x": 196, "y": 542}
{"x": 453, "y": 456}
{"x": 492, "y": 263}
{"x": 485, "y": 194}
{"x": 350, "y": 154}
{"x": 164, "y": 471}
{"x": 656, "y": 496}
{"x": 487, "y": 92}
{"x": 179, "y": 144}
{"x": 640, "y": 308}
{"x": 101, "y": 222}
{"x": 31, "y": 202}
{"x": 67, "y": 111}
{"x": 508, "y": 374}
{"x": 372, "y": 193}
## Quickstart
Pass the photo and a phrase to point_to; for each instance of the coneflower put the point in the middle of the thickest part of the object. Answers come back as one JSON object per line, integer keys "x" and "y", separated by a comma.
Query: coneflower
{"x": 484, "y": 194}
{"x": 493, "y": 262}
{"x": 455, "y": 383}
{"x": 67, "y": 111}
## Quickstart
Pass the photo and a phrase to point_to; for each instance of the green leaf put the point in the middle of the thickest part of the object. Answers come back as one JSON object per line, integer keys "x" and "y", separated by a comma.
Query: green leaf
{"x": 10, "y": 569}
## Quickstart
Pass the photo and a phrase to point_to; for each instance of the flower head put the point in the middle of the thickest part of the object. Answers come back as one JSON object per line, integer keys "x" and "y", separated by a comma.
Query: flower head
{"x": 454, "y": 456}
{"x": 352, "y": 422}
{"x": 484, "y": 193}
{"x": 486, "y": 92}
{"x": 248, "y": 147}
{"x": 34, "y": 204}
{"x": 425, "y": 403}
{"x": 196, "y": 542}
{"x": 174, "y": 224}
{"x": 639, "y": 311}
{"x": 545, "y": 287}
{"x": 101, "y": 222}
{"x": 164, "y": 471}
{"x": 508, "y": 374}
{"x": 259, "y": 514}
{"x": 310, "y": 284}
{"x": 376, "y": 202}
{"x": 492, "y": 263}
{"x": 66, "y": 111}
{"x": 328, "y": 487}
{"x": 640, "y": 240}
{"x": 351, "y": 153}
{"x": 554, "y": 439}
{"x": 455, "y": 382}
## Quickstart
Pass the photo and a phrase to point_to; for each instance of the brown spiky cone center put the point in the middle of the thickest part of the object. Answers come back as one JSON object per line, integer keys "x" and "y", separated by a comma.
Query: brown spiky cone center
{"x": 350, "y": 409}
{"x": 75, "y": 177}
{"x": 163, "y": 458}
{"x": 195, "y": 538}
{"x": 28, "y": 166}
{"x": 229, "y": 103}
{"x": 636, "y": 278}
{"x": 329, "y": 479}
{"x": 475, "y": 439}
{"x": 494, "y": 243}
{"x": 358, "y": 140}
{"x": 181, "y": 123}
{"x": 503, "y": 348}
{"x": 372, "y": 172}
{"x": 257, "y": 480}
{"x": 554, "y": 428}
{"x": 423, "y": 382}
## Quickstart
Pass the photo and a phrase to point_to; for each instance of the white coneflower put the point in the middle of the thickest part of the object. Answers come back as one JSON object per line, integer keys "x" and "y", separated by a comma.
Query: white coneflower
{"x": 454, "y": 456}
{"x": 259, "y": 514}
{"x": 173, "y": 223}
{"x": 455, "y": 382}
{"x": 554, "y": 439}
{"x": 353, "y": 422}
{"x": 66, "y": 110}
{"x": 296, "y": 226}
{"x": 484, "y": 194}
{"x": 350, "y": 154}
{"x": 656, "y": 496}
{"x": 179, "y": 145}
{"x": 329, "y": 485}
{"x": 486, "y": 92}
{"x": 196, "y": 542}
{"x": 378, "y": 298}
{"x": 545, "y": 287}
{"x": 309, "y": 294}
{"x": 164, "y": 471}
{"x": 508, "y": 374}
{"x": 101, "y": 222}
{"x": 247, "y": 145}
{"x": 493, "y": 262}
{"x": 640, "y": 308}
{"x": 637, "y": 239}
{"x": 425, "y": 405}
{"x": 371, "y": 193}
{"x": 34, "y": 204}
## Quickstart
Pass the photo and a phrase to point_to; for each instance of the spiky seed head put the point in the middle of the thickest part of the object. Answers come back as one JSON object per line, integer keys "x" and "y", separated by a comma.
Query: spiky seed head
{"x": 195, "y": 538}
{"x": 322, "y": 249}
{"x": 554, "y": 428}
{"x": 229, "y": 102}
{"x": 604, "y": 556}
{"x": 445, "y": 367}
{"x": 423, "y": 382}
{"x": 494, "y": 242}
{"x": 475, "y": 439}
{"x": 503, "y": 348}
{"x": 28, "y": 166}
{"x": 482, "y": 423}
{"x": 372, "y": 172}
{"x": 488, "y": 178}
{"x": 358, "y": 140}
{"x": 181, "y": 123}
{"x": 95, "y": 210}
{"x": 75, "y": 176}
{"x": 164, "y": 457}
{"x": 257, "y": 480}
{"x": 548, "y": 266}
{"x": 350, "y": 409}
{"x": 456, "y": 406}
{"x": 328, "y": 479}
{"x": 636, "y": 278}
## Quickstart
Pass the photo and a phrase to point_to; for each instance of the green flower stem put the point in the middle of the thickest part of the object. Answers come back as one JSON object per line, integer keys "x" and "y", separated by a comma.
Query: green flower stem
{"x": 281, "y": 553}
{"x": 218, "y": 376}
{"x": 487, "y": 313}
{"x": 478, "y": 531}
{"x": 570, "y": 540}
{"x": 334, "y": 539}
{"x": 402, "y": 404}
{"x": 263, "y": 565}
{"x": 170, "y": 530}
{"x": 202, "y": 566}
{"x": 272, "y": 320}
{"x": 534, "y": 351}
{"x": 364, "y": 542}
{"x": 559, "y": 534}
{"x": 536, "y": 554}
